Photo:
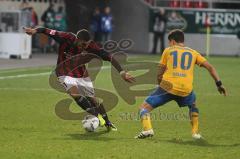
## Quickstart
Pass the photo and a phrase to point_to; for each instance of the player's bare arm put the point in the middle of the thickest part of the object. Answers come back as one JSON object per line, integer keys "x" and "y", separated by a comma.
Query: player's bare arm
{"x": 215, "y": 76}
{"x": 161, "y": 70}
{"x": 124, "y": 74}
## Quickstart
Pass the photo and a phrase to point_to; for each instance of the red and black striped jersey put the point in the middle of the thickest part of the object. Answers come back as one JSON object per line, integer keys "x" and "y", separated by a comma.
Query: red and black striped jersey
{"x": 71, "y": 57}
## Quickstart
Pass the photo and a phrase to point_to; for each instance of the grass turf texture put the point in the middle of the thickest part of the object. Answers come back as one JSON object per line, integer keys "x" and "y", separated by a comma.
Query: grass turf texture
{"x": 29, "y": 127}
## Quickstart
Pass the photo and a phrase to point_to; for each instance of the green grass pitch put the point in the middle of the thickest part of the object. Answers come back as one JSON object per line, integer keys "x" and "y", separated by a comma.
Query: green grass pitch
{"x": 29, "y": 127}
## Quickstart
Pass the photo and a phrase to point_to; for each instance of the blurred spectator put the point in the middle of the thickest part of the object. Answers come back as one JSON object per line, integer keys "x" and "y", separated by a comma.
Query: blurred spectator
{"x": 24, "y": 5}
{"x": 159, "y": 28}
{"x": 151, "y": 2}
{"x": 106, "y": 24}
{"x": 96, "y": 25}
{"x": 238, "y": 35}
{"x": 48, "y": 17}
{"x": 27, "y": 11}
{"x": 60, "y": 20}
{"x": 173, "y": 16}
{"x": 31, "y": 19}
{"x": 34, "y": 21}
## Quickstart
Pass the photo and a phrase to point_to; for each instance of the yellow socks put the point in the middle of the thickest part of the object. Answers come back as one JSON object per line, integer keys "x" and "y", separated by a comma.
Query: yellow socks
{"x": 194, "y": 122}
{"x": 146, "y": 122}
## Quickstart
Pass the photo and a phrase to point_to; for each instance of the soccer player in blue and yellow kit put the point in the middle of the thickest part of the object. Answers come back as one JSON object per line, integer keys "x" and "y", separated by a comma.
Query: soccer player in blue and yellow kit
{"x": 175, "y": 79}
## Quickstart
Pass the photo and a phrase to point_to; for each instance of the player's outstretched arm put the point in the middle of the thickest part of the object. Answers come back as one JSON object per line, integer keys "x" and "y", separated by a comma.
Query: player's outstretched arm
{"x": 124, "y": 74}
{"x": 215, "y": 76}
{"x": 106, "y": 56}
{"x": 58, "y": 36}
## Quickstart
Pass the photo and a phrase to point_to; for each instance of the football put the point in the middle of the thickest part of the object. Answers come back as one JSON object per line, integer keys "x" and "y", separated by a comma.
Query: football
{"x": 90, "y": 123}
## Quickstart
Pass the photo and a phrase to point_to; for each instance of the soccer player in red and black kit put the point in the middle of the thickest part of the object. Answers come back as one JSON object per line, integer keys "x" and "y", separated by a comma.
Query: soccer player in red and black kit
{"x": 72, "y": 73}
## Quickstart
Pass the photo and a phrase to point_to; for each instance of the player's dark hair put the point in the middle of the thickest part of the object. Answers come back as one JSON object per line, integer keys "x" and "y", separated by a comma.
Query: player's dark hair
{"x": 83, "y": 35}
{"x": 176, "y": 35}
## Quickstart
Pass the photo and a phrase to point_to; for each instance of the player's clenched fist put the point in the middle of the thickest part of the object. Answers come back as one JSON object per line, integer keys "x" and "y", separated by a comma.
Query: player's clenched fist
{"x": 127, "y": 77}
{"x": 29, "y": 31}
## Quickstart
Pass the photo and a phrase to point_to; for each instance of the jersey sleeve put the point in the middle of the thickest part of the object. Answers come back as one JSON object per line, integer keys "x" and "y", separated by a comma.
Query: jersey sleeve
{"x": 200, "y": 59}
{"x": 163, "y": 60}
{"x": 95, "y": 49}
{"x": 59, "y": 36}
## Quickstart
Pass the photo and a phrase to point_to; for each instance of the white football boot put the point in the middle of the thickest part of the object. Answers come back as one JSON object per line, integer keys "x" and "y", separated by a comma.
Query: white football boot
{"x": 197, "y": 136}
{"x": 145, "y": 134}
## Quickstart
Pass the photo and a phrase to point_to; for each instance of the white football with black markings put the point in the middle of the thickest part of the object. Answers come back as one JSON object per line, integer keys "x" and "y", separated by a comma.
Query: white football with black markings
{"x": 90, "y": 123}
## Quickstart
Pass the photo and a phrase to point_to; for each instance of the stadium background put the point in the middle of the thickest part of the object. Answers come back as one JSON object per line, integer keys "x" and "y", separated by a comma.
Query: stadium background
{"x": 132, "y": 19}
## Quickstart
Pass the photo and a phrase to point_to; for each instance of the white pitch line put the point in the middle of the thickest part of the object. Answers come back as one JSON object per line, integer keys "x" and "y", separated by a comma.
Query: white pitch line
{"x": 27, "y": 89}
{"x": 11, "y": 71}
{"x": 24, "y": 75}
{"x": 42, "y": 74}
{"x": 20, "y": 70}
{"x": 48, "y": 73}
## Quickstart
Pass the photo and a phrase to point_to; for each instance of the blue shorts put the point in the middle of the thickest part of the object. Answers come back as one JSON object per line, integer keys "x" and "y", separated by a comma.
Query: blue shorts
{"x": 160, "y": 97}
